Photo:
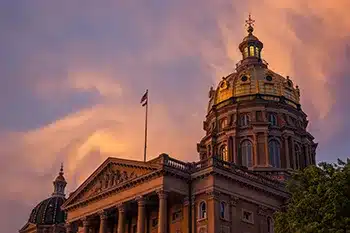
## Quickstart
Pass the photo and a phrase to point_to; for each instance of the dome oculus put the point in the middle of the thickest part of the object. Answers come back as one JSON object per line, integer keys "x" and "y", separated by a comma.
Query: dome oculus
{"x": 268, "y": 78}
{"x": 244, "y": 78}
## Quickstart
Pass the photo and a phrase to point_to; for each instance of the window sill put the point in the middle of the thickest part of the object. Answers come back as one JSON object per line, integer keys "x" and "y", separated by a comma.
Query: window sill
{"x": 176, "y": 220}
{"x": 201, "y": 219}
{"x": 247, "y": 221}
{"x": 225, "y": 219}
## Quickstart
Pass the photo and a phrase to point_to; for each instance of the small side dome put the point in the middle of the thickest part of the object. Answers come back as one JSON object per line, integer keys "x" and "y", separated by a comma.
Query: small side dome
{"x": 48, "y": 212}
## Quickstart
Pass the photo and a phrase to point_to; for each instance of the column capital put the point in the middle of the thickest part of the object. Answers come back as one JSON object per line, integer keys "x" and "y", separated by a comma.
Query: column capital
{"x": 186, "y": 201}
{"x": 262, "y": 211}
{"x": 120, "y": 207}
{"x": 103, "y": 214}
{"x": 193, "y": 199}
{"x": 140, "y": 200}
{"x": 85, "y": 221}
{"x": 162, "y": 194}
{"x": 213, "y": 194}
{"x": 234, "y": 200}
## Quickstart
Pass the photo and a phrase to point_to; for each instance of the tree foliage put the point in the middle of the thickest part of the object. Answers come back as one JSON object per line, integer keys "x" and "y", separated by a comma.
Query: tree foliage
{"x": 320, "y": 200}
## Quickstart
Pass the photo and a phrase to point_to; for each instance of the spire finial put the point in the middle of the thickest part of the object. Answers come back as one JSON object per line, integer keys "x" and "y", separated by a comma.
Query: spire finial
{"x": 250, "y": 23}
{"x": 61, "y": 170}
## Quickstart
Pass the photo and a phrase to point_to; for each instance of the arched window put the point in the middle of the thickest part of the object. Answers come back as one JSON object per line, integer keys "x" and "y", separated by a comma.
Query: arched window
{"x": 202, "y": 210}
{"x": 247, "y": 153}
{"x": 272, "y": 119}
{"x": 244, "y": 120}
{"x": 209, "y": 151}
{"x": 223, "y": 153}
{"x": 251, "y": 51}
{"x": 245, "y": 54}
{"x": 257, "y": 52}
{"x": 269, "y": 225}
{"x": 223, "y": 210}
{"x": 274, "y": 153}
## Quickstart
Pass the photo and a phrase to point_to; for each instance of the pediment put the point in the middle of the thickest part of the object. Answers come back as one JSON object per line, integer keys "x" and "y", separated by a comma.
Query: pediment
{"x": 113, "y": 172}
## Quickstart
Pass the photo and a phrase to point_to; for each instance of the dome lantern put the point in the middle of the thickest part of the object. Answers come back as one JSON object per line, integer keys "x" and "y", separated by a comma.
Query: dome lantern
{"x": 59, "y": 184}
{"x": 251, "y": 46}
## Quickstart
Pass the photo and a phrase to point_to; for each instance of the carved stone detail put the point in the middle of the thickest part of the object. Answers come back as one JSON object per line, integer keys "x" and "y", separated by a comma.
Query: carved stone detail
{"x": 120, "y": 207}
{"x": 140, "y": 200}
{"x": 234, "y": 200}
{"x": 162, "y": 194}
{"x": 85, "y": 221}
{"x": 186, "y": 201}
{"x": 103, "y": 215}
{"x": 262, "y": 211}
{"x": 213, "y": 194}
{"x": 112, "y": 178}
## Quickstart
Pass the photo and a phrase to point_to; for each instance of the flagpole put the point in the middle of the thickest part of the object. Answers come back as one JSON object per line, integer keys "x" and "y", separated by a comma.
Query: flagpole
{"x": 145, "y": 149}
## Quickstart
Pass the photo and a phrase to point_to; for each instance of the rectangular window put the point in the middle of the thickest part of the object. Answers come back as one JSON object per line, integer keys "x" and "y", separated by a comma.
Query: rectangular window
{"x": 247, "y": 216}
{"x": 176, "y": 215}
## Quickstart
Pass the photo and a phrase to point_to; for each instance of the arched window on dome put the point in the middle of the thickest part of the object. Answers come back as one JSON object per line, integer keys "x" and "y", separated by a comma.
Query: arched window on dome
{"x": 244, "y": 120}
{"x": 274, "y": 154}
{"x": 223, "y": 153}
{"x": 270, "y": 228}
{"x": 273, "y": 119}
{"x": 245, "y": 52}
{"x": 257, "y": 52}
{"x": 251, "y": 51}
{"x": 247, "y": 153}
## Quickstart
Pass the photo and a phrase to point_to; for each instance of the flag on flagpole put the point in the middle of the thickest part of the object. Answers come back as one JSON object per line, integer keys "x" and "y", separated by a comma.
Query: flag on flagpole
{"x": 144, "y": 98}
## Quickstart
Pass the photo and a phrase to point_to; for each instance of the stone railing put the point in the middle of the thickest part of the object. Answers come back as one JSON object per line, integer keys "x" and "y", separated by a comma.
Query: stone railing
{"x": 236, "y": 169}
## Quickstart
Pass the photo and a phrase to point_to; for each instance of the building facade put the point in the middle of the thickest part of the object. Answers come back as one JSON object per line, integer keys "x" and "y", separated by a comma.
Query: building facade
{"x": 255, "y": 136}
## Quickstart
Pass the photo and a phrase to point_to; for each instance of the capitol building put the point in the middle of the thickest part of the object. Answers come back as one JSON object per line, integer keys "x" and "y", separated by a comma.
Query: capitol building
{"x": 254, "y": 137}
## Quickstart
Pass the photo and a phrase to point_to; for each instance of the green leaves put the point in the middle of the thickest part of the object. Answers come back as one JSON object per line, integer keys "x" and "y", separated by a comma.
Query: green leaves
{"x": 320, "y": 200}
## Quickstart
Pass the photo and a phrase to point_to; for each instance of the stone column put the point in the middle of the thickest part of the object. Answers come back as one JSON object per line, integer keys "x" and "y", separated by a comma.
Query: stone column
{"x": 267, "y": 149}
{"x": 262, "y": 219}
{"x": 255, "y": 150}
{"x": 294, "y": 155}
{"x": 286, "y": 149}
{"x": 307, "y": 155}
{"x": 234, "y": 218}
{"x": 69, "y": 227}
{"x": 163, "y": 215}
{"x": 141, "y": 214}
{"x": 193, "y": 213}
{"x": 213, "y": 210}
{"x": 103, "y": 221}
{"x": 186, "y": 215}
{"x": 86, "y": 224}
{"x": 121, "y": 218}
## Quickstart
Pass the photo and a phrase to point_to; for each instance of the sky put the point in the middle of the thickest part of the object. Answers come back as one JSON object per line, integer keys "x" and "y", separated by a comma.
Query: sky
{"x": 72, "y": 74}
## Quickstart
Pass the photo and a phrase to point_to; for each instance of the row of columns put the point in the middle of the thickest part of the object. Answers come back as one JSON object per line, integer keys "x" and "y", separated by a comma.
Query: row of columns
{"x": 141, "y": 216}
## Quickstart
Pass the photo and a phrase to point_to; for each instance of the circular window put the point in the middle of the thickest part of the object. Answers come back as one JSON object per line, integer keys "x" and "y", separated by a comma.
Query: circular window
{"x": 269, "y": 78}
{"x": 244, "y": 78}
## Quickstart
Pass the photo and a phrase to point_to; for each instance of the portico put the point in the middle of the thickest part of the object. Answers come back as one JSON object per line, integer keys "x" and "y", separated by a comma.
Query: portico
{"x": 138, "y": 204}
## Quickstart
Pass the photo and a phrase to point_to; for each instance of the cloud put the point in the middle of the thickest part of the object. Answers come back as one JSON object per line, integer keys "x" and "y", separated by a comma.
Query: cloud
{"x": 94, "y": 61}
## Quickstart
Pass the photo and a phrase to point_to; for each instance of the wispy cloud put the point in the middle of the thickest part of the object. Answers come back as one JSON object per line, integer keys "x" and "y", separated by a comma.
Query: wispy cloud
{"x": 73, "y": 73}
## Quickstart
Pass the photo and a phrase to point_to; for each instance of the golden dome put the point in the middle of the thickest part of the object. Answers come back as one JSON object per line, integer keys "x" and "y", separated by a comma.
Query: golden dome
{"x": 252, "y": 78}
